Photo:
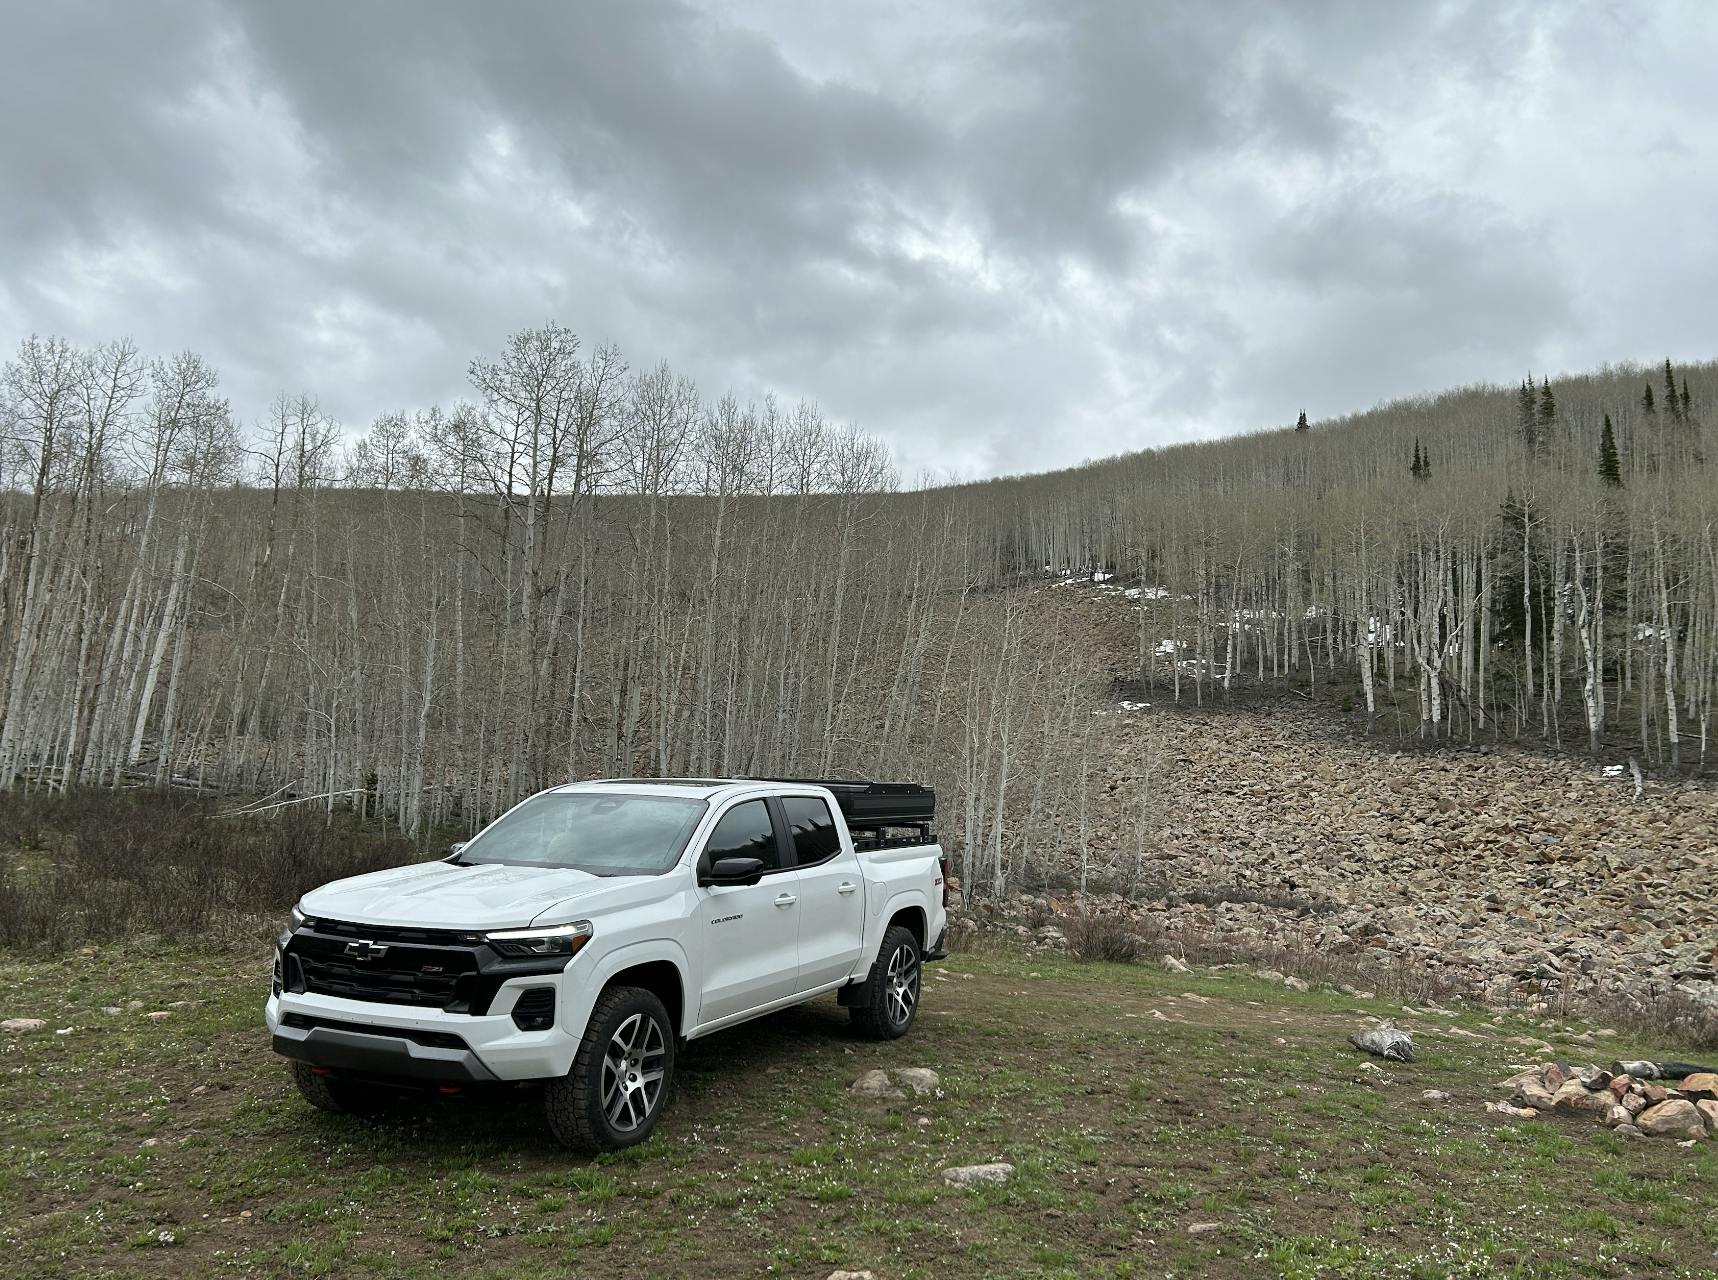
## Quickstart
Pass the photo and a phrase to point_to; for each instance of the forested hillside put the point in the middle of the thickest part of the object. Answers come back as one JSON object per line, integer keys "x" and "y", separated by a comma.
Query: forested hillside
{"x": 1530, "y": 563}
{"x": 594, "y": 569}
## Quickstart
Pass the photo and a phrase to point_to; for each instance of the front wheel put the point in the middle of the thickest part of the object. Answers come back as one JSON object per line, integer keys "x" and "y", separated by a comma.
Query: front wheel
{"x": 615, "y": 1093}
{"x": 891, "y": 999}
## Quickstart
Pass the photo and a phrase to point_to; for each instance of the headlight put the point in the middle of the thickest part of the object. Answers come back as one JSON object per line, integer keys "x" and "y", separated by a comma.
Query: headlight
{"x": 297, "y": 920}
{"x": 561, "y": 940}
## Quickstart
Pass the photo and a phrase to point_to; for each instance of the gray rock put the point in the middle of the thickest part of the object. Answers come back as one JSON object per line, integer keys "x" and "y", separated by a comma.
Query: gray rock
{"x": 1203, "y": 1228}
{"x": 18, "y": 1026}
{"x": 1511, "y": 1110}
{"x": 921, "y": 1080}
{"x": 850, "y": 1275}
{"x": 875, "y": 1084}
{"x": 971, "y": 1175}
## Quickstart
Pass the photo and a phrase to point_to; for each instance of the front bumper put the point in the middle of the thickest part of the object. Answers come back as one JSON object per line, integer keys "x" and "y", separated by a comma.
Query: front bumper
{"x": 373, "y": 1051}
{"x": 390, "y": 1042}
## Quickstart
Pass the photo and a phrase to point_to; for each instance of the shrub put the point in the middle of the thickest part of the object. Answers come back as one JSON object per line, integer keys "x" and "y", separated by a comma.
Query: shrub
{"x": 1105, "y": 939}
{"x": 95, "y": 865}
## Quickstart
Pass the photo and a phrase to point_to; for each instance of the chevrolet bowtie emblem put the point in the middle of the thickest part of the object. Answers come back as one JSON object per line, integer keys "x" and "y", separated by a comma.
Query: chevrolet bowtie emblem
{"x": 364, "y": 949}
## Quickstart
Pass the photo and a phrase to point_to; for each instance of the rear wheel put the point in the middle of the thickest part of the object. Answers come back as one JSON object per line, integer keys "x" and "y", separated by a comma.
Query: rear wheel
{"x": 619, "y": 1083}
{"x": 891, "y": 993}
{"x": 329, "y": 1092}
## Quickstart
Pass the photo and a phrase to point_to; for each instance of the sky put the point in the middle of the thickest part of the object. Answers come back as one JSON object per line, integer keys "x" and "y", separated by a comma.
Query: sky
{"x": 1003, "y": 237}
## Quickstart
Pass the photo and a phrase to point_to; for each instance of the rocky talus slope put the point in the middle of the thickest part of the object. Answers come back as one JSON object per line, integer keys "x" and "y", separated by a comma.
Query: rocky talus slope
{"x": 1508, "y": 871}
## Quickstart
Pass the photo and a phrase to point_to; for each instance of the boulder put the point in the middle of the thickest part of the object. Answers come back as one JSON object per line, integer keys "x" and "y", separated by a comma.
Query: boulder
{"x": 1676, "y": 1118}
{"x": 1628, "y": 1131}
{"x": 1708, "y": 1110}
{"x": 921, "y": 1080}
{"x": 971, "y": 1175}
{"x": 1618, "y": 1116}
{"x": 1574, "y": 1098}
{"x": 1536, "y": 1086}
{"x": 1634, "y": 1103}
{"x": 1703, "y": 1084}
{"x": 18, "y": 1026}
{"x": 850, "y": 1275}
{"x": 875, "y": 1084}
{"x": 1511, "y": 1110}
{"x": 1434, "y": 1095}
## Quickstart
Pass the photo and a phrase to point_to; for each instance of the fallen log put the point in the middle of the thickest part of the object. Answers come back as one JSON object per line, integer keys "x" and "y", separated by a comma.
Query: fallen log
{"x": 1643, "y": 1070}
{"x": 1385, "y": 1042}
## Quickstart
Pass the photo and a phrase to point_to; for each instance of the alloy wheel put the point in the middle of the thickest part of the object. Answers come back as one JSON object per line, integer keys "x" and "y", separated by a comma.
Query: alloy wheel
{"x": 903, "y": 984}
{"x": 632, "y": 1072}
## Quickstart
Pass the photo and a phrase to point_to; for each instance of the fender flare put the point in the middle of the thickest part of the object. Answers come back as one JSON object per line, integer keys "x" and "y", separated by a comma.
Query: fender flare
{"x": 896, "y": 902}
{"x": 648, "y": 951}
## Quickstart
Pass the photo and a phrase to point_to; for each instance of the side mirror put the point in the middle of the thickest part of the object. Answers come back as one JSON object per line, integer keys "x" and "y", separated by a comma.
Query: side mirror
{"x": 453, "y": 850}
{"x": 732, "y": 871}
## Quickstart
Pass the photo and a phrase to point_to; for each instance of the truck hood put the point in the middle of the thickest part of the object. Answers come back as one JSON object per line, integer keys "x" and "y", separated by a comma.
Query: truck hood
{"x": 442, "y": 895}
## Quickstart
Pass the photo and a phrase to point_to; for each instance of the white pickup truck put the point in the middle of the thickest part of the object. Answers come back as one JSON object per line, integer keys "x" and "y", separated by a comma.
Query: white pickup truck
{"x": 585, "y": 934}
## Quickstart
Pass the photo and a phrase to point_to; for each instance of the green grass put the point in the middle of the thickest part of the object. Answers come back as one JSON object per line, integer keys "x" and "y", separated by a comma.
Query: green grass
{"x": 129, "y": 1148}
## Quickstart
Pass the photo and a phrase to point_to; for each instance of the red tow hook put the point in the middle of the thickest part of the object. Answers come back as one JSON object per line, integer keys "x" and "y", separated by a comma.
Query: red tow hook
{"x": 448, "y": 1089}
{"x": 320, "y": 1071}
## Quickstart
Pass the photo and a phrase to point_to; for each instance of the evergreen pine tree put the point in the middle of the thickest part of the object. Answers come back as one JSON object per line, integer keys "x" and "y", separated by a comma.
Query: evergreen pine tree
{"x": 1547, "y": 409}
{"x": 1687, "y": 400}
{"x": 1610, "y": 468}
{"x": 1421, "y": 467}
{"x": 1526, "y": 415}
{"x": 1646, "y": 400}
{"x": 1303, "y": 424}
{"x": 1672, "y": 405}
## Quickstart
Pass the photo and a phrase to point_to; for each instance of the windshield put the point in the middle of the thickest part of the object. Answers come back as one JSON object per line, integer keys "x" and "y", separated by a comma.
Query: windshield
{"x": 602, "y": 833}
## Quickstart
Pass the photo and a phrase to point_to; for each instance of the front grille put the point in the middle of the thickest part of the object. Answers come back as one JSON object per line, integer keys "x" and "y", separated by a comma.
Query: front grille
{"x": 387, "y": 981}
{"x": 425, "y": 968}
{"x": 430, "y": 1039}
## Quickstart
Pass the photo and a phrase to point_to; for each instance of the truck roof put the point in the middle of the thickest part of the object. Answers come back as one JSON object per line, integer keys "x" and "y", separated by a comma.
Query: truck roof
{"x": 865, "y": 804}
{"x": 702, "y": 788}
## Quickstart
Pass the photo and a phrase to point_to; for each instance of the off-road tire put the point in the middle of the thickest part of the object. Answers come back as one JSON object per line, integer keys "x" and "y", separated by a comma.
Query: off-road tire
{"x": 578, "y": 1113}
{"x": 878, "y": 1015}
{"x": 331, "y": 1093}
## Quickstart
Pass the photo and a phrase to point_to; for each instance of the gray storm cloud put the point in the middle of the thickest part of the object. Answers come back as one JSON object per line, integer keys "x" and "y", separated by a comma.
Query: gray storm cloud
{"x": 1003, "y": 237}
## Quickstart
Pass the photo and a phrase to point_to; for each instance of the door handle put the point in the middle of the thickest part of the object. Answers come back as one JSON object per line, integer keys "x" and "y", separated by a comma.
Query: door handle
{"x": 785, "y": 900}
{"x": 846, "y": 886}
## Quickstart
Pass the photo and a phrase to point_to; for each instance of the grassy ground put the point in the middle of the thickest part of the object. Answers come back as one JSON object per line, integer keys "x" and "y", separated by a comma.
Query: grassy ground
{"x": 1135, "y": 1103}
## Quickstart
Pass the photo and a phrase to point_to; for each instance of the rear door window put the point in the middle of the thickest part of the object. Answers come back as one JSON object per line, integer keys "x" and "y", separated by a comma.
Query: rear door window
{"x": 812, "y": 826}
